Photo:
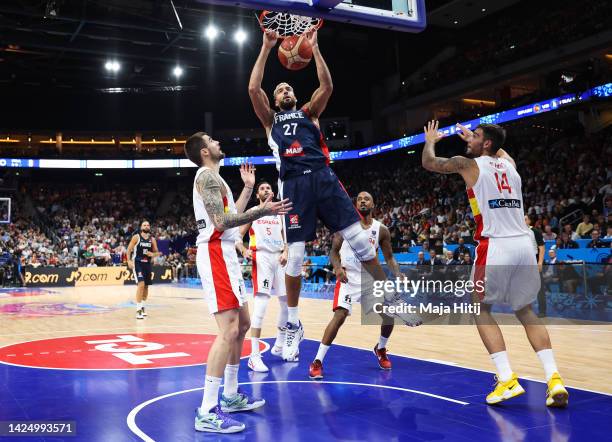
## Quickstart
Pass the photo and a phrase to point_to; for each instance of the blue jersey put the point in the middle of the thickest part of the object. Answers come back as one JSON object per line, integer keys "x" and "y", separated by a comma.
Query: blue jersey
{"x": 143, "y": 246}
{"x": 297, "y": 144}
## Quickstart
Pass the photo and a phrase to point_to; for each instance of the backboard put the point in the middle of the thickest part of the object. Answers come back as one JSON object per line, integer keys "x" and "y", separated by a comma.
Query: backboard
{"x": 398, "y": 15}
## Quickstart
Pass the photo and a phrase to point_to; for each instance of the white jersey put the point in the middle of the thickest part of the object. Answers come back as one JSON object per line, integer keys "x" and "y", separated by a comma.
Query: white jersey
{"x": 206, "y": 228}
{"x": 266, "y": 234}
{"x": 497, "y": 200}
{"x": 349, "y": 261}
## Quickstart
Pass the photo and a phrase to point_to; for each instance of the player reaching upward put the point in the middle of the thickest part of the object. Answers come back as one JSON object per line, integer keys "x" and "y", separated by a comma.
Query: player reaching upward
{"x": 504, "y": 257}
{"x": 347, "y": 268}
{"x": 141, "y": 251}
{"x": 306, "y": 179}
{"x": 218, "y": 218}
{"x": 268, "y": 252}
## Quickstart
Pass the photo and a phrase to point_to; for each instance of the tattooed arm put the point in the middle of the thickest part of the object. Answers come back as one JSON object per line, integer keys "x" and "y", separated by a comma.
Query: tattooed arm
{"x": 209, "y": 188}
{"x": 466, "y": 167}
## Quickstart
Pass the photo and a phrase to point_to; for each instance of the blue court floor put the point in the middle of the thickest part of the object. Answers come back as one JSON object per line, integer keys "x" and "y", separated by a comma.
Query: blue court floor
{"x": 416, "y": 401}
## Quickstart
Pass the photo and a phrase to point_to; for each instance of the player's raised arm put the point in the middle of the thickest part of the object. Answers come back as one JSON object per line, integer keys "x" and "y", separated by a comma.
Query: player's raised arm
{"x": 501, "y": 153}
{"x": 209, "y": 188}
{"x": 466, "y": 167}
{"x": 321, "y": 96}
{"x": 247, "y": 173}
{"x": 260, "y": 100}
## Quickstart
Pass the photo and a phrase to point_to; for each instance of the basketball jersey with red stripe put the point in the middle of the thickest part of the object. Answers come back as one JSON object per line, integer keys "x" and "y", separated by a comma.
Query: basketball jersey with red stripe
{"x": 266, "y": 234}
{"x": 349, "y": 261}
{"x": 497, "y": 200}
{"x": 206, "y": 229}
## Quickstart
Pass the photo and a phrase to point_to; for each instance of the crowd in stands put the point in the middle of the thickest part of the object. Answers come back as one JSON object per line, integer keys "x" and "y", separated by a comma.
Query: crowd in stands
{"x": 514, "y": 35}
{"x": 567, "y": 190}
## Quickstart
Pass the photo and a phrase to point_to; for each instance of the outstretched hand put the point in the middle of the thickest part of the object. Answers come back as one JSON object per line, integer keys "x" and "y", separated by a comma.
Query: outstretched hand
{"x": 276, "y": 207}
{"x": 247, "y": 173}
{"x": 465, "y": 134}
{"x": 269, "y": 38}
{"x": 432, "y": 134}
{"x": 312, "y": 38}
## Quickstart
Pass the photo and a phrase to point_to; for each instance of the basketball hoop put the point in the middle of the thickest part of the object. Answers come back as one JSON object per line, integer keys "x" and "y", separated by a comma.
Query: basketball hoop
{"x": 287, "y": 25}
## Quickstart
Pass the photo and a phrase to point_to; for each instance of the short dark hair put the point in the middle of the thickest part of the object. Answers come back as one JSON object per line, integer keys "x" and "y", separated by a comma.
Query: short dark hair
{"x": 263, "y": 182}
{"x": 495, "y": 134}
{"x": 193, "y": 146}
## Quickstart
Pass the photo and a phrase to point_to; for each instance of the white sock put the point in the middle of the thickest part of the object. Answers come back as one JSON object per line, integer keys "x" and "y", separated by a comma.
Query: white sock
{"x": 138, "y": 305}
{"x": 322, "y": 352}
{"x": 292, "y": 315}
{"x": 230, "y": 384}
{"x": 382, "y": 342}
{"x": 144, "y": 303}
{"x": 255, "y": 347}
{"x": 502, "y": 365}
{"x": 211, "y": 394}
{"x": 283, "y": 313}
{"x": 548, "y": 361}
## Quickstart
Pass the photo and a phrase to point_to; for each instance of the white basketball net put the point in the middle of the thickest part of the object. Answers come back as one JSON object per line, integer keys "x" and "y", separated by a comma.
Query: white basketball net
{"x": 286, "y": 25}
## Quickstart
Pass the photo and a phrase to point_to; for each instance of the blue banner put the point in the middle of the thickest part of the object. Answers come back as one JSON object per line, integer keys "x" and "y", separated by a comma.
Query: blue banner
{"x": 603, "y": 91}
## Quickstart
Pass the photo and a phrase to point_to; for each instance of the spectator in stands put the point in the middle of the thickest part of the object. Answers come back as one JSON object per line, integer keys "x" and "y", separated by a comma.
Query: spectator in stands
{"x": 450, "y": 259}
{"x": 92, "y": 263}
{"x": 307, "y": 269}
{"x": 467, "y": 259}
{"x": 433, "y": 259}
{"x": 566, "y": 242}
{"x": 584, "y": 228}
{"x": 608, "y": 233}
{"x": 420, "y": 258}
{"x": 548, "y": 234}
{"x": 461, "y": 250}
{"x": 551, "y": 271}
{"x": 567, "y": 228}
{"x": 596, "y": 242}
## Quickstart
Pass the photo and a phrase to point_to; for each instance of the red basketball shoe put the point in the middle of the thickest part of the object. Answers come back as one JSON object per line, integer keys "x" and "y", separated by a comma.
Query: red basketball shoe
{"x": 316, "y": 370}
{"x": 383, "y": 359}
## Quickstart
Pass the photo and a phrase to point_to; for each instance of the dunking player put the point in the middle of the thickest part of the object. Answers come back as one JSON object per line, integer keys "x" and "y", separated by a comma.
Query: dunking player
{"x": 347, "y": 268}
{"x": 504, "y": 257}
{"x": 305, "y": 178}
{"x": 218, "y": 218}
{"x": 141, "y": 251}
{"x": 268, "y": 252}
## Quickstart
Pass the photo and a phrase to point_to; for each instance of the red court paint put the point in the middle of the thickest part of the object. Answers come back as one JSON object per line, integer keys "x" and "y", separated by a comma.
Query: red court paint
{"x": 123, "y": 351}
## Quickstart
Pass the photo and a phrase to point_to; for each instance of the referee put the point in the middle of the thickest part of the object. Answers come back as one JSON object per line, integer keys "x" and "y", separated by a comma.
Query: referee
{"x": 538, "y": 245}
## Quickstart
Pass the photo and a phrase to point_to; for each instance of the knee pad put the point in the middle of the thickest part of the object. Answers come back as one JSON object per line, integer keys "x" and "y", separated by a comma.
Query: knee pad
{"x": 295, "y": 258}
{"x": 359, "y": 240}
{"x": 260, "y": 303}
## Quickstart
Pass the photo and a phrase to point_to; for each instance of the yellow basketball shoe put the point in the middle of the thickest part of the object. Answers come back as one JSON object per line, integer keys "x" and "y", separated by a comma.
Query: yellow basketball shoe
{"x": 505, "y": 390}
{"x": 556, "y": 395}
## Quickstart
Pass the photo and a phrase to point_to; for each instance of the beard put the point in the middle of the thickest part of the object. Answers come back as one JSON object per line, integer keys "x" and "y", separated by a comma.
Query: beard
{"x": 219, "y": 156}
{"x": 146, "y": 230}
{"x": 364, "y": 212}
{"x": 287, "y": 104}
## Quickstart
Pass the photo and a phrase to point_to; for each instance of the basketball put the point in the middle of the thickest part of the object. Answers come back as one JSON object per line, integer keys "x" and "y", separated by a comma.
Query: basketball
{"x": 295, "y": 52}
